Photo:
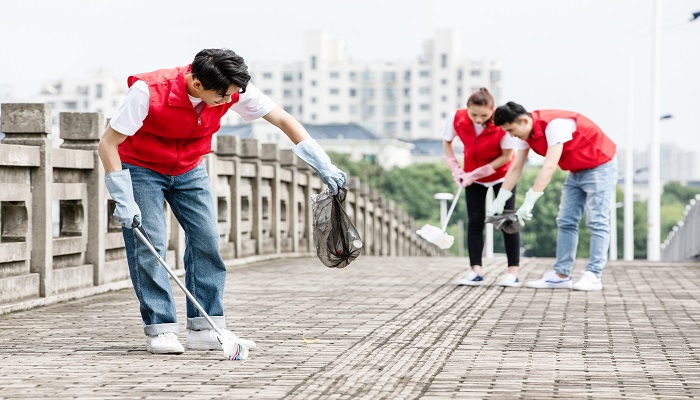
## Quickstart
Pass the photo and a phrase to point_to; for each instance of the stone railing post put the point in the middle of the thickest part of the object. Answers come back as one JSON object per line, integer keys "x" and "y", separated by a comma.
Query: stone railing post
{"x": 29, "y": 124}
{"x": 82, "y": 131}
{"x": 228, "y": 147}
{"x": 270, "y": 155}
{"x": 289, "y": 161}
{"x": 250, "y": 152}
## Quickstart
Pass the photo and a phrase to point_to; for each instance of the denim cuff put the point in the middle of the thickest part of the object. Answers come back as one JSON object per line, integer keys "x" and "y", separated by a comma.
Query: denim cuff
{"x": 157, "y": 329}
{"x": 199, "y": 323}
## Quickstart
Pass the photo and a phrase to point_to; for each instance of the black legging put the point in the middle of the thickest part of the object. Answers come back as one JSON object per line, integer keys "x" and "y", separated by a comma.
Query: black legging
{"x": 476, "y": 210}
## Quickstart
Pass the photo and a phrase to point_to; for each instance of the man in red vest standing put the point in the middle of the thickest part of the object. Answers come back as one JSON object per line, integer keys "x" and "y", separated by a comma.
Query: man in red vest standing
{"x": 577, "y": 145}
{"x": 152, "y": 151}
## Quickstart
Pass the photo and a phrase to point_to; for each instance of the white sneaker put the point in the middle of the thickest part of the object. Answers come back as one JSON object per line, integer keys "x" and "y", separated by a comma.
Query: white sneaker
{"x": 165, "y": 343}
{"x": 471, "y": 280}
{"x": 588, "y": 281}
{"x": 509, "y": 280}
{"x": 206, "y": 340}
{"x": 550, "y": 280}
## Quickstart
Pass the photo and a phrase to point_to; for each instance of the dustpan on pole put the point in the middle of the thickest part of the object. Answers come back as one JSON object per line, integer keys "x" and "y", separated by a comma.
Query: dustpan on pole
{"x": 438, "y": 236}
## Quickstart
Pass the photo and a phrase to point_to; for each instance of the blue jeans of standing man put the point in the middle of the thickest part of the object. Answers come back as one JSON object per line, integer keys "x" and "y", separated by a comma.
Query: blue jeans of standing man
{"x": 191, "y": 201}
{"x": 592, "y": 190}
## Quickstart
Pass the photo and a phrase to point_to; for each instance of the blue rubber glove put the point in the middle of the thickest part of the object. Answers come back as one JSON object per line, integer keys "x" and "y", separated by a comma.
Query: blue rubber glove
{"x": 309, "y": 151}
{"x": 524, "y": 213}
{"x": 127, "y": 211}
{"x": 500, "y": 202}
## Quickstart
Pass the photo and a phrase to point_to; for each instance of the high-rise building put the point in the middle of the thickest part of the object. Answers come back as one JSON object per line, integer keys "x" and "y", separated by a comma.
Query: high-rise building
{"x": 393, "y": 99}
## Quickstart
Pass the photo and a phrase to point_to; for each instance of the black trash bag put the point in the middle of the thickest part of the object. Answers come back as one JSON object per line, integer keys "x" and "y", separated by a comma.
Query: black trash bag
{"x": 337, "y": 241}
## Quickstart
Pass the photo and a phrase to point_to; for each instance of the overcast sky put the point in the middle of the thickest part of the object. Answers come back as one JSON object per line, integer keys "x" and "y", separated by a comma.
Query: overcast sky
{"x": 555, "y": 53}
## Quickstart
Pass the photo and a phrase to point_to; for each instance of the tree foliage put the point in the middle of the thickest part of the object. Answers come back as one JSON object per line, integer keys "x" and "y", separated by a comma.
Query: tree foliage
{"x": 412, "y": 189}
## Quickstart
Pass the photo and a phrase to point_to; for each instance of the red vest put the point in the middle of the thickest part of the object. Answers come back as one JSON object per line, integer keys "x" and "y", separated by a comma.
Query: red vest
{"x": 589, "y": 148}
{"x": 481, "y": 150}
{"x": 173, "y": 138}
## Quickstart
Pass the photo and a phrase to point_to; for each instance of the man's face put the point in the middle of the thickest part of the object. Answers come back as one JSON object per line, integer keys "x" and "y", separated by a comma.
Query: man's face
{"x": 480, "y": 114}
{"x": 520, "y": 128}
{"x": 212, "y": 97}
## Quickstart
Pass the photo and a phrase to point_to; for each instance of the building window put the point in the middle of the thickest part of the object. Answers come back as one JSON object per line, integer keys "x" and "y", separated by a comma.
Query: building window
{"x": 313, "y": 62}
{"x": 335, "y": 108}
{"x": 459, "y": 75}
{"x": 313, "y": 100}
{"x": 288, "y": 108}
{"x": 368, "y": 76}
{"x": 287, "y": 93}
{"x": 98, "y": 91}
{"x": 443, "y": 61}
{"x": 390, "y": 110}
{"x": 444, "y": 82}
{"x": 287, "y": 77}
{"x": 353, "y": 92}
{"x": 334, "y": 75}
{"x": 352, "y": 76}
{"x": 390, "y": 77}
{"x": 495, "y": 76}
{"x": 407, "y": 108}
{"x": 369, "y": 110}
{"x": 389, "y": 127}
{"x": 70, "y": 105}
{"x": 425, "y": 107}
{"x": 267, "y": 92}
{"x": 444, "y": 99}
{"x": 407, "y": 76}
{"x": 353, "y": 110}
{"x": 407, "y": 125}
{"x": 443, "y": 115}
{"x": 425, "y": 73}
{"x": 390, "y": 93}
{"x": 335, "y": 91}
{"x": 313, "y": 117}
{"x": 267, "y": 75}
{"x": 407, "y": 92}
{"x": 425, "y": 124}
{"x": 367, "y": 92}
{"x": 313, "y": 83}
{"x": 476, "y": 72}
{"x": 424, "y": 90}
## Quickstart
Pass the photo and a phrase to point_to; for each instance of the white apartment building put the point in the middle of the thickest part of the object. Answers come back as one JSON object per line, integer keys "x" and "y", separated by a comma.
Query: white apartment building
{"x": 393, "y": 99}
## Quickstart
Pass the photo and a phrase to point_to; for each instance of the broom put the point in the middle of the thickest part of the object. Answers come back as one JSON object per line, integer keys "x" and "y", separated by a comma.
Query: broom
{"x": 438, "y": 236}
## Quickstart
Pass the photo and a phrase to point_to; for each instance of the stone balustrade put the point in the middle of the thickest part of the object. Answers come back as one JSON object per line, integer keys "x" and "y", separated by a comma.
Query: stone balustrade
{"x": 58, "y": 236}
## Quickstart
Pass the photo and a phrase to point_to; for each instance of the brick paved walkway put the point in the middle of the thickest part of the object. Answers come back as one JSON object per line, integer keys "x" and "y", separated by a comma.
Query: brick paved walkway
{"x": 390, "y": 328}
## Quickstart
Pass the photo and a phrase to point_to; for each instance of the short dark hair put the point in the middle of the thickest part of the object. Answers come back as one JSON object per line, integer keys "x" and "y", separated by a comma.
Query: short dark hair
{"x": 508, "y": 113}
{"x": 218, "y": 69}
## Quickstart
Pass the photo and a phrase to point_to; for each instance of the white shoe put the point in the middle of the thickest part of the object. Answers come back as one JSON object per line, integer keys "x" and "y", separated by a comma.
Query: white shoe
{"x": 165, "y": 343}
{"x": 509, "y": 280}
{"x": 550, "y": 280}
{"x": 206, "y": 339}
{"x": 588, "y": 281}
{"x": 472, "y": 280}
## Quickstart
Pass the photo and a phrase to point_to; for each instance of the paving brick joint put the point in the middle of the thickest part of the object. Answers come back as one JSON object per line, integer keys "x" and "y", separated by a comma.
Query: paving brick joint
{"x": 385, "y": 328}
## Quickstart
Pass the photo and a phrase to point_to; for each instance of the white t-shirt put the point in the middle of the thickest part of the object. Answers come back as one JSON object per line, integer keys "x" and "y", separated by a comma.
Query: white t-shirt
{"x": 129, "y": 117}
{"x": 508, "y": 142}
{"x": 559, "y": 130}
{"x": 448, "y": 133}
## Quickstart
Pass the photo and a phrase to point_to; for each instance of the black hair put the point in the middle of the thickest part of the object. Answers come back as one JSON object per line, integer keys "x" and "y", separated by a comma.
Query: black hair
{"x": 218, "y": 69}
{"x": 481, "y": 97}
{"x": 508, "y": 113}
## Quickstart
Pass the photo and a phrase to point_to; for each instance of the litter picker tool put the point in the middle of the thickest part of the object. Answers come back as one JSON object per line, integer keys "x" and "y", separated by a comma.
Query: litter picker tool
{"x": 232, "y": 350}
{"x": 438, "y": 236}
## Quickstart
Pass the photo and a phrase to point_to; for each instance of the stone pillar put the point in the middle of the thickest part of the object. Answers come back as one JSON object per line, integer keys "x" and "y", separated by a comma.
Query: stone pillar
{"x": 270, "y": 155}
{"x": 29, "y": 124}
{"x": 228, "y": 147}
{"x": 289, "y": 161}
{"x": 82, "y": 131}
{"x": 250, "y": 152}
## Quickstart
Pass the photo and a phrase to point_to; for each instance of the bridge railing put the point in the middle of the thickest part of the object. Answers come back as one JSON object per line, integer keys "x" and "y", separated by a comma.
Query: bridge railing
{"x": 58, "y": 235}
{"x": 683, "y": 241}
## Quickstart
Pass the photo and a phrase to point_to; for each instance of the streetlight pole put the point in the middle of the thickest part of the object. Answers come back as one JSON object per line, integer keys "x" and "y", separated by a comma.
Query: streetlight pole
{"x": 654, "y": 201}
{"x": 628, "y": 245}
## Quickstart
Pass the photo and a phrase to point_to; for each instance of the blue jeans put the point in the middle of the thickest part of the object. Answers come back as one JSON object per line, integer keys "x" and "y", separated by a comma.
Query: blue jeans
{"x": 191, "y": 201}
{"x": 592, "y": 190}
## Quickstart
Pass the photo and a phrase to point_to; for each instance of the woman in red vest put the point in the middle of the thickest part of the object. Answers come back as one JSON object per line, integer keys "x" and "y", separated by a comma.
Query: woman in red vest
{"x": 488, "y": 153}
{"x": 152, "y": 151}
{"x": 577, "y": 145}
